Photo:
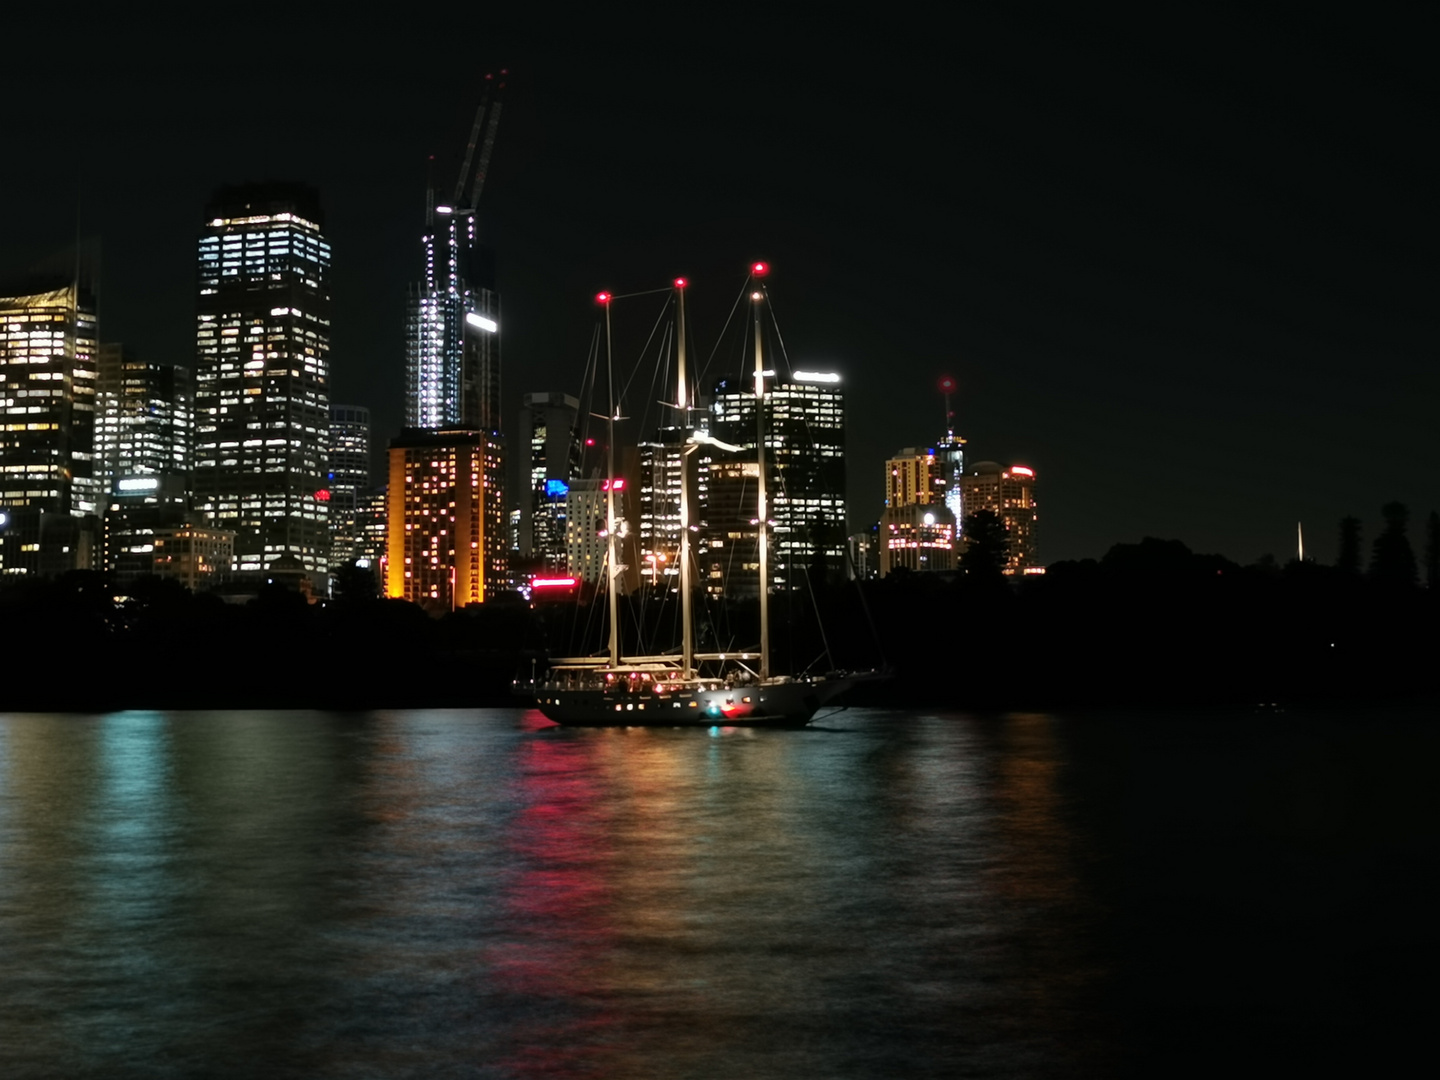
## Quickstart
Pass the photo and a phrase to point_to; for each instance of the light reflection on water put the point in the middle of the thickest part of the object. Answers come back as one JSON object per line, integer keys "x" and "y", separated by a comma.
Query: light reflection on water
{"x": 474, "y": 893}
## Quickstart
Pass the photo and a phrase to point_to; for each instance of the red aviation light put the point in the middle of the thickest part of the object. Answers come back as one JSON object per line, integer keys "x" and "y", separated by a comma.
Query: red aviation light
{"x": 322, "y": 495}
{"x": 603, "y": 298}
{"x": 680, "y": 283}
{"x": 947, "y": 384}
{"x": 759, "y": 269}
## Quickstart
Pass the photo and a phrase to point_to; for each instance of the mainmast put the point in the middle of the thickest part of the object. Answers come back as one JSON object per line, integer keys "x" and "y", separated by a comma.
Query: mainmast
{"x": 760, "y": 269}
{"x": 611, "y": 561}
{"x": 687, "y": 639}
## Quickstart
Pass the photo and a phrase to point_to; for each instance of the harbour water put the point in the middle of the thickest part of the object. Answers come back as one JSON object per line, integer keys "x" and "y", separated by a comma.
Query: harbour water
{"x": 888, "y": 894}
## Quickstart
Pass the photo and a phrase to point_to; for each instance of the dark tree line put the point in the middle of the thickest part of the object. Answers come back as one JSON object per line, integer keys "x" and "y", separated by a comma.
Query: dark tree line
{"x": 1150, "y": 623}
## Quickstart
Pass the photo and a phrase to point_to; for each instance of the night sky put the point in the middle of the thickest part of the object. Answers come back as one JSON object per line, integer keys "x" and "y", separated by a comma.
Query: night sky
{"x": 1184, "y": 268}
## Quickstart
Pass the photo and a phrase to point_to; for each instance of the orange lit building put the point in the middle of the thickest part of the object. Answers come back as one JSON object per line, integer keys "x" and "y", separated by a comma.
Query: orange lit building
{"x": 446, "y": 544}
{"x": 917, "y": 529}
{"x": 1008, "y": 490}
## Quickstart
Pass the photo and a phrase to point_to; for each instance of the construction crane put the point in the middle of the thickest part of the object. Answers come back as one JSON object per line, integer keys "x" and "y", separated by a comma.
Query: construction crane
{"x": 489, "y": 100}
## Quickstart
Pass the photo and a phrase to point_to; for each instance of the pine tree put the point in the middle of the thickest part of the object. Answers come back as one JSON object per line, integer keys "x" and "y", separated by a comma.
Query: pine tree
{"x": 987, "y": 547}
{"x": 1392, "y": 560}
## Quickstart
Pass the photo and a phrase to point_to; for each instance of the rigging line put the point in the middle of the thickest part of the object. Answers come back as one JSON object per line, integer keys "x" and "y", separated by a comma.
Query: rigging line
{"x": 592, "y": 367}
{"x": 642, "y": 292}
{"x": 770, "y": 306}
{"x": 700, "y": 378}
{"x": 660, "y": 374}
{"x": 646, "y": 348}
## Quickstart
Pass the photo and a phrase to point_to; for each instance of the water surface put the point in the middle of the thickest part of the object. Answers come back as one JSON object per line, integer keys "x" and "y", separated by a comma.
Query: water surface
{"x": 477, "y": 893}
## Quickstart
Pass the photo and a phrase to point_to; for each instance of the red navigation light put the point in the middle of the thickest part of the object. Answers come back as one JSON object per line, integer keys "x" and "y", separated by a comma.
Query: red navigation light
{"x": 322, "y": 495}
{"x": 680, "y": 283}
{"x": 760, "y": 269}
{"x": 602, "y": 298}
{"x": 947, "y": 384}
{"x": 589, "y": 442}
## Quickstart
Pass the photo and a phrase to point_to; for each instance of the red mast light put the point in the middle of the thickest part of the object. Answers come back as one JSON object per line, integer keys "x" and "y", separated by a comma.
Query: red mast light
{"x": 760, "y": 269}
{"x": 680, "y": 283}
{"x": 947, "y": 384}
{"x": 602, "y": 298}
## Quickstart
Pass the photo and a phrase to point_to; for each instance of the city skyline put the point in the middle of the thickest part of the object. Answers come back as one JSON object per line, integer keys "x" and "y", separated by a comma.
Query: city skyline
{"x": 1152, "y": 261}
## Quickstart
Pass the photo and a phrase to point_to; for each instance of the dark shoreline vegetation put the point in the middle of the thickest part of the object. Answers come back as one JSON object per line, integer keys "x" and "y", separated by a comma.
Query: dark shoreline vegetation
{"x": 1149, "y": 624}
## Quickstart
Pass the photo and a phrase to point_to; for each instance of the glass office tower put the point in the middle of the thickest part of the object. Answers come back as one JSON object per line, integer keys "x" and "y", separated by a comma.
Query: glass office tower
{"x": 262, "y": 374}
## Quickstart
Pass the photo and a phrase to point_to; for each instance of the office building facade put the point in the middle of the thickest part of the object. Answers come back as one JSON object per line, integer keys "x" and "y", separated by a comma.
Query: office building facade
{"x": 549, "y": 435}
{"x": 349, "y": 479}
{"x": 48, "y": 352}
{"x": 144, "y": 422}
{"x": 805, "y": 457}
{"x": 262, "y": 375}
{"x": 917, "y": 529}
{"x": 446, "y": 518}
{"x": 1008, "y": 491}
{"x": 452, "y": 329}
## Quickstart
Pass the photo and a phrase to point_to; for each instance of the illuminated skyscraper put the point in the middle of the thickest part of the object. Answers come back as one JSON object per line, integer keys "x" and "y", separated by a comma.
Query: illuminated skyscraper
{"x": 452, "y": 329}
{"x": 349, "y": 479}
{"x": 549, "y": 434}
{"x": 917, "y": 529}
{"x": 805, "y": 451}
{"x": 662, "y": 465}
{"x": 144, "y": 417}
{"x": 446, "y": 518}
{"x": 49, "y": 493}
{"x": 262, "y": 375}
{"x": 47, "y": 401}
{"x": 1009, "y": 491}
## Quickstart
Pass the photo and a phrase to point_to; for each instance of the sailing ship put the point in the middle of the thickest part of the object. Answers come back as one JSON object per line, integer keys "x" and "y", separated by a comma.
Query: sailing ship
{"x": 690, "y": 688}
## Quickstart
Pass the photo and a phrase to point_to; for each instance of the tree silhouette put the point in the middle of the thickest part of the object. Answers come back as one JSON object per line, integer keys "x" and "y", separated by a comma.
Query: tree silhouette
{"x": 1349, "y": 560}
{"x": 1392, "y": 560}
{"x": 1432, "y": 550}
{"x": 987, "y": 547}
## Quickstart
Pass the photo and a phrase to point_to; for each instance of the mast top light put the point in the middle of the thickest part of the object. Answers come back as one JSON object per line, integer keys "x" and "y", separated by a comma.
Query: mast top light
{"x": 759, "y": 269}
{"x": 680, "y": 283}
{"x": 602, "y": 298}
{"x": 755, "y": 296}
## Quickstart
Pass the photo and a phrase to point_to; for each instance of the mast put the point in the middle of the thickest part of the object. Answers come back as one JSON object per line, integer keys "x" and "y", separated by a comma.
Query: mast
{"x": 763, "y": 513}
{"x": 687, "y": 639}
{"x": 611, "y": 561}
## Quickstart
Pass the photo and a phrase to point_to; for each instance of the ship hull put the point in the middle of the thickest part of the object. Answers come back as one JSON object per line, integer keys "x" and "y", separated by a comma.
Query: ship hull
{"x": 782, "y": 703}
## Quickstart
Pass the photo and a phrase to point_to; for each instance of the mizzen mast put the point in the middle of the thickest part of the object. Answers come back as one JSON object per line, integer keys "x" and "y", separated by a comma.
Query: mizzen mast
{"x": 687, "y": 621}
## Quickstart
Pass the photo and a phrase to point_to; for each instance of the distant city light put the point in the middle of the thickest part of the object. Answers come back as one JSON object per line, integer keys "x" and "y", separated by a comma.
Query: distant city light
{"x": 929, "y": 519}
{"x": 444, "y": 209}
{"x": 1022, "y": 470}
{"x": 482, "y": 322}
{"x": 138, "y": 483}
{"x": 555, "y": 488}
{"x": 322, "y": 495}
{"x": 817, "y": 377}
{"x": 553, "y": 582}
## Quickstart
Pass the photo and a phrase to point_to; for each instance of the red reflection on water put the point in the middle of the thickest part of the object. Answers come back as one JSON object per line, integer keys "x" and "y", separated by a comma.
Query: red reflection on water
{"x": 557, "y": 909}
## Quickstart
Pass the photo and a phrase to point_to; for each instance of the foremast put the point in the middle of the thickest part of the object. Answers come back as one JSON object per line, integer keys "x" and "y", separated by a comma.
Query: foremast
{"x": 762, "y": 517}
